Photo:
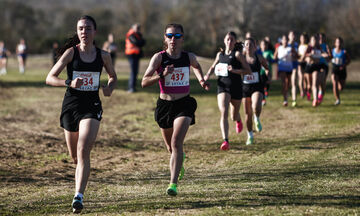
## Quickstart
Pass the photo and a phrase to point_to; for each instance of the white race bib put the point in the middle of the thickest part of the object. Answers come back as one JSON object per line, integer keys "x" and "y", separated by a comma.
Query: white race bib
{"x": 221, "y": 69}
{"x": 180, "y": 77}
{"x": 252, "y": 78}
{"x": 337, "y": 61}
{"x": 90, "y": 80}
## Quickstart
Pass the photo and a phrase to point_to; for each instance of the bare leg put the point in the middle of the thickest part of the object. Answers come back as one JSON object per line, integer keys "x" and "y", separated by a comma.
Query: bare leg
{"x": 181, "y": 126}
{"x": 223, "y": 104}
{"x": 167, "y": 134}
{"x": 88, "y": 130}
{"x": 314, "y": 85}
{"x": 335, "y": 82}
{"x": 293, "y": 84}
{"x": 248, "y": 113}
{"x": 235, "y": 109}
{"x": 301, "y": 80}
{"x": 256, "y": 99}
{"x": 71, "y": 142}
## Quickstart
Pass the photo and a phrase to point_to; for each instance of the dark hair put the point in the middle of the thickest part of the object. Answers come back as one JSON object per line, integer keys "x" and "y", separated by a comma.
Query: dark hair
{"x": 74, "y": 39}
{"x": 238, "y": 44}
{"x": 341, "y": 41}
{"x": 175, "y": 26}
{"x": 306, "y": 37}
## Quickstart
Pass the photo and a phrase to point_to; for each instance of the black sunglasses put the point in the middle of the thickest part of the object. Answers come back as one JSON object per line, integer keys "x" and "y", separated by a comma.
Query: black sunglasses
{"x": 176, "y": 36}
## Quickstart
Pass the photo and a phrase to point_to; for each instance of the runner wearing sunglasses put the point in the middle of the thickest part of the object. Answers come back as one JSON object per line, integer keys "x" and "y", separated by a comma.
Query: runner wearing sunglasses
{"x": 175, "y": 110}
{"x": 228, "y": 66}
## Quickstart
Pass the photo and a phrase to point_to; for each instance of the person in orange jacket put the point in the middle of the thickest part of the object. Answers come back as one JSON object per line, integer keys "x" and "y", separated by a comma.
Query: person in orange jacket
{"x": 133, "y": 43}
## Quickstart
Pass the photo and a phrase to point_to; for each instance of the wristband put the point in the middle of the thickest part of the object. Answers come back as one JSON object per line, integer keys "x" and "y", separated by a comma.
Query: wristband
{"x": 68, "y": 82}
{"x": 161, "y": 75}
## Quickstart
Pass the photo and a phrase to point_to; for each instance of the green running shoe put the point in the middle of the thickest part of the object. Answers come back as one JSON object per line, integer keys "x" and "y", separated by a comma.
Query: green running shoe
{"x": 294, "y": 104}
{"x": 258, "y": 126}
{"x": 172, "y": 190}
{"x": 250, "y": 141}
{"x": 182, "y": 171}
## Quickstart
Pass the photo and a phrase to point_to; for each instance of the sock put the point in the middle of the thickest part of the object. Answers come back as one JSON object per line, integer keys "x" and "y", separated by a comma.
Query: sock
{"x": 173, "y": 185}
{"x": 250, "y": 134}
{"x": 78, "y": 194}
{"x": 256, "y": 118}
{"x": 227, "y": 140}
{"x": 320, "y": 92}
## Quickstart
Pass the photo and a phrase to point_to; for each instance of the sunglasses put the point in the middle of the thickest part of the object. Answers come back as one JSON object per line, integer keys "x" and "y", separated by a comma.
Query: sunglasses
{"x": 176, "y": 36}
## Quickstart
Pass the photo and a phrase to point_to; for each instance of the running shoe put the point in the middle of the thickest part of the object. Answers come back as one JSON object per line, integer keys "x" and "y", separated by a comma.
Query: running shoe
{"x": 308, "y": 95}
{"x": 172, "y": 189}
{"x": 77, "y": 205}
{"x": 182, "y": 171}
{"x": 225, "y": 146}
{"x": 250, "y": 141}
{"x": 320, "y": 98}
{"x": 258, "y": 126}
{"x": 337, "y": 102}
{"x": 239, "y": 126}
{"x": 263, "y": 102}
{"x": 293, "y": 104}
{"x": 285, "y": 103}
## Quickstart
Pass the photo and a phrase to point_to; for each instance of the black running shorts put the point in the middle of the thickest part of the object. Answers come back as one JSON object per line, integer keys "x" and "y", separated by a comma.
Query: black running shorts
{"x": 167, "y": 111}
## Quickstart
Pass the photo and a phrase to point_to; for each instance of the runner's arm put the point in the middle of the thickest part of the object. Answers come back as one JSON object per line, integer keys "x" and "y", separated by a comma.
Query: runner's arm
{"x": 245, "y": 66}
{"x": 212, "y": 68}
{"x": 198, "y": 71}
{"x": 52, "y": 78}
{"x": 154, "y": 64}
{"x": 112, "y": 78}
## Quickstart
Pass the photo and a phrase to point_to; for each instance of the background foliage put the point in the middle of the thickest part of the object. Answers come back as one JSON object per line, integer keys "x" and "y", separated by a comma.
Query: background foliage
{"x": 41, "y": 22}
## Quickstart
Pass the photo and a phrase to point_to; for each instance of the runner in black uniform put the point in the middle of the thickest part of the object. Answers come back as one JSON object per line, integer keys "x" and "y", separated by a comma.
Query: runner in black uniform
{"x": 229, "y": 64}
{"x": 253, "y": 88}
{"x": 81, "y": 110}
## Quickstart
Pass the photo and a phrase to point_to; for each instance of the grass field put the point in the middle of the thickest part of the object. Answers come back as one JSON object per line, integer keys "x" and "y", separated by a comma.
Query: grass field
{"x": 305, "y": 162}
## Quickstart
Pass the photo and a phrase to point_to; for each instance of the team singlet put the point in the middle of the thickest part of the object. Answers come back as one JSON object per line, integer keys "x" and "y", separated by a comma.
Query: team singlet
{"x": 179, "y": 81}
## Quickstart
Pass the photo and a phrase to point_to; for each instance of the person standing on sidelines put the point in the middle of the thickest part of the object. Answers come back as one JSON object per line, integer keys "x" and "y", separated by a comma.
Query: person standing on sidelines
{"x": 324, "y": 66}
{"x": 253, "y": 88}
{"x": 340, "y": 59}
{"x": 175, "y": 109}
{"x": 81, "y": 108}
{"x": 228, "y": 66}
{"x": 268, "y": 54}
{"x": 133, "y": 43}
{"x": 283, "y": 54}
{"x": 4, "y": 54}
{"x": 21, "y": 51}
{"x": 304, "y": 40}
{"x": 294, "y": 57}
{"x": 111, "y": 48}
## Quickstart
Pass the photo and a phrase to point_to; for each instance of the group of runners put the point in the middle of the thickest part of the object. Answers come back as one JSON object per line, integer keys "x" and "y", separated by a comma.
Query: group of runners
{"x": 21, "y": 52}
{"x": 243, "y": 74}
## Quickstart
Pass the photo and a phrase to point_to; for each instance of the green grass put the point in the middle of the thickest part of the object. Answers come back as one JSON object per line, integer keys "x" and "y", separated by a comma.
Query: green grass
{"x": 305, "y": 162}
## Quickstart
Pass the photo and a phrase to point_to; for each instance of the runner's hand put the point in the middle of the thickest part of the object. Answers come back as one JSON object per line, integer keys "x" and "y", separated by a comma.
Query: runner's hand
{"x": 168, "y": 70}
{"x": 106, "y": 90}
{"x": 230, "y": 68}
{"x": 205, "y": 85}
{"x": 77, "y": 83}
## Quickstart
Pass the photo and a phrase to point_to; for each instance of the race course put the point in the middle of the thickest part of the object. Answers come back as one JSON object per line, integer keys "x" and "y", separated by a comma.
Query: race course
{"x": 306, "y": 161}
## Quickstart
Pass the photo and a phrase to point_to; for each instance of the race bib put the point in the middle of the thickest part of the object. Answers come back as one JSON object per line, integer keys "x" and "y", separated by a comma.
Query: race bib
{"x": 90, "y": 80}
{"x": 252, "y": 78}
{"x": 337, "y": 61}
{"x": 180, "y": 77}
{"x": 221, "y": 69}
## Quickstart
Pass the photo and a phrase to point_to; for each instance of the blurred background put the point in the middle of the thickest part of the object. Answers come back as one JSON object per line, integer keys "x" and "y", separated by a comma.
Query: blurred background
{"x": 43, "y": 22}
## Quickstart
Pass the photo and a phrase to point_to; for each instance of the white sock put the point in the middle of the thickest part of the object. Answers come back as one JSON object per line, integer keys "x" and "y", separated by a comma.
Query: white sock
{"x": 320, "y": 92}
{"x": 78, "y": 194}
{"x": 250, "y": 134}
{"x": 257, "y": 119}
